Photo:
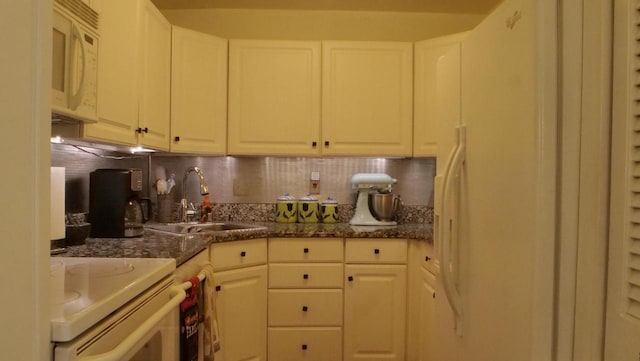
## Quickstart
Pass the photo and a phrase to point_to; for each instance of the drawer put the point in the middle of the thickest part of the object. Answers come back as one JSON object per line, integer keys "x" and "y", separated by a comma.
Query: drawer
{"x": 305, "y": 307}
{"x": 305, "y": 343}
{"x": 368, "y": 250}
{"x": 306, "y": 250}
{"x": 228, "y": 255}
{"x": 306, "y": 275}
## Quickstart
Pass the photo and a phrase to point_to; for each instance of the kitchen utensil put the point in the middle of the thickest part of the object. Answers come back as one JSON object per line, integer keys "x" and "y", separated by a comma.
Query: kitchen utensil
{"x": 365, "y": 183}
{"x": 171, "y": 182}
{"x": 384, "y": 206}
{"x": 286, "y": 209}
{"x": 329, "y": 210}
{"x": 308, "y": 209}
{"x": 115, "y": 203}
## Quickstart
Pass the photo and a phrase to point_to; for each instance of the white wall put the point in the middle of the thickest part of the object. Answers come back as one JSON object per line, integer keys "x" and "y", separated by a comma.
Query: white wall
{"x": 24, "y": 152}
{"x": 321, "y": 25}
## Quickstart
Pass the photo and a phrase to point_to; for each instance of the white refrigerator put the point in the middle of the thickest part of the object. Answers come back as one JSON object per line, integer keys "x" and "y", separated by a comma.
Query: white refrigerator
{"x": 494, "y": 189}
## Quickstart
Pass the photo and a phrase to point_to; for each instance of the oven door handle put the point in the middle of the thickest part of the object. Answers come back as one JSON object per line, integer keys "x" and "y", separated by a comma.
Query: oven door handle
{"x": 117, "y": 353}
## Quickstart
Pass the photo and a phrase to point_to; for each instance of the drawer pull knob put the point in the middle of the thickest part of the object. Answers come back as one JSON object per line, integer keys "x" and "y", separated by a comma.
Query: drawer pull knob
{"x": 376, "y": 251}
{"x": 326, "y": 143}
{"x": 427, "y": 258}
{"x": 176, "y": 139}
{"x": 305, "y": 308}
{"x": 218, "y": 288}
{"x": 243, "y": 253}
{"x": 304, "y": 347}
{"x": 350, "y": 278}
{"x": 305, "y": 276}
{"x": 314, "y": 144}
{"x": 434, "y": 295}
{"x": 305, "y": 250}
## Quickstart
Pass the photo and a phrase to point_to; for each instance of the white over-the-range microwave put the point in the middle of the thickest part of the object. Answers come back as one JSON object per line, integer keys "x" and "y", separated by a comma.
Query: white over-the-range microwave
{"x": 74, "y": 62}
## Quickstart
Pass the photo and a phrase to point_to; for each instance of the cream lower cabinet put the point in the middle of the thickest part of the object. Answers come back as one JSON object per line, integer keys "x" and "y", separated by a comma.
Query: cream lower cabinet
{"x": 421, "y": 302}
{"x": 367, "y": 98}
{"x": 305, "y": 299}
{"x": 198, "y": 92}
{"x": 241, "y": 299}
{"x": 133, "y": 75}
{"x": 375, "y": 299}
{"x": 274, "y": 97}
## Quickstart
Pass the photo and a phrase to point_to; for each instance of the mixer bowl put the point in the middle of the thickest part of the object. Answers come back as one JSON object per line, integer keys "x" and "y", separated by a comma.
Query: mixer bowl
{"x": 384, "y": 206}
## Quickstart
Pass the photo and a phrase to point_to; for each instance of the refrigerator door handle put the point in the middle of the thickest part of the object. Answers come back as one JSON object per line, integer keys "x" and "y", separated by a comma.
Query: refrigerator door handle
{"x": 447, "y": 222}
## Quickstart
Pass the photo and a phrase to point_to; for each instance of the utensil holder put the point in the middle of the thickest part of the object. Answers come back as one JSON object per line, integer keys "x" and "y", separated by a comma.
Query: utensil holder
{"x": 165, "y": 208}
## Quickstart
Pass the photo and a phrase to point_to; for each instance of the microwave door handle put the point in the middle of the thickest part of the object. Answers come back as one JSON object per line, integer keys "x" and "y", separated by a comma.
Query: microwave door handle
{"x": 134, "y": 338}
{"x": 76, "y": 98}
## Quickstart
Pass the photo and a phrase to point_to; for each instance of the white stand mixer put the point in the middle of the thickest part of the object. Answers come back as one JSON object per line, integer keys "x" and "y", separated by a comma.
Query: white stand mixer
{"x": 364, "y": 183}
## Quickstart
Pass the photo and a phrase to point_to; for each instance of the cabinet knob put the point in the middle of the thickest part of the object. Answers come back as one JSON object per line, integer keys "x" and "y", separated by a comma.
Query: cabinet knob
{"x": 326, "y": 143}
{"x": 376, "y": 251}
{"x": 243, "y": 253}
{"x": 314, "y": 144}
{"x": 145, "y": 129}
{"x": 427, "y": 258}
{"x": 138, "y": 130}
{"x": 305, "y": 250}
{"x": 434, "y": 295}
{"x": 305, "y": 308}
{"x": 218, "y": 288}
{"x": 350, "y": 278}
{"x": 176, "y": 139}
{"x": 304, "y": 347}
{"x": 305, "y": 276}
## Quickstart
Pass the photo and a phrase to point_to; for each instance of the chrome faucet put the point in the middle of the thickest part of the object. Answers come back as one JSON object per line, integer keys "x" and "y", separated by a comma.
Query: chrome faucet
{"x": 185, "y": 212}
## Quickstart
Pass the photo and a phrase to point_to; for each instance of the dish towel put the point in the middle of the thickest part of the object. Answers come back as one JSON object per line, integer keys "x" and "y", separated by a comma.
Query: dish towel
{"x": 211, "y": 340}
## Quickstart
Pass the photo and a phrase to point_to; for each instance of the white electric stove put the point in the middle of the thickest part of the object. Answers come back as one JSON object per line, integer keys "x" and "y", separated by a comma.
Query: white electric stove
{"x": 112, "y": 297}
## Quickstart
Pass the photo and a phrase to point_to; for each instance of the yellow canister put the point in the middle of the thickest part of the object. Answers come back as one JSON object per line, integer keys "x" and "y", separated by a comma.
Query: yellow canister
{"x": 308, "y": 209}
{"x": 286, "y": 209}
{"x": 329, "y": 210}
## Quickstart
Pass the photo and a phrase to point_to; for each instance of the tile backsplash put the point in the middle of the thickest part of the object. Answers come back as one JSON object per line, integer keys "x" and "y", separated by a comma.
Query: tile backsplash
{"x": 252, "y": 181}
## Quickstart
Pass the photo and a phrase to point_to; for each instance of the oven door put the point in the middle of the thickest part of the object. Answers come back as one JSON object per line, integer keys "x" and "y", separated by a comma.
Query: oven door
{"x": 144, "y": 329}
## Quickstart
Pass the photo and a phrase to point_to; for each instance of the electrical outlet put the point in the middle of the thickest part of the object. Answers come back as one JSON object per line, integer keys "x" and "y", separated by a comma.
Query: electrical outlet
{"x": 314, "y": 183}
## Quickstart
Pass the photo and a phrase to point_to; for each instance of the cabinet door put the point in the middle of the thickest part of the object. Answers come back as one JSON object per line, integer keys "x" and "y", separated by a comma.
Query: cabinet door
{"x": 198, "y": 92}
{"x": 374, "y": 309}
{"x": 241, "y": 303}
{"x": 426, "y": 316}
{"x": 367, "y": 98}
{"x": 155, "y": 72}
{"x": 427, "y": 55}
{"x": 274, "y": 97}
{"x": 117, "y": 74}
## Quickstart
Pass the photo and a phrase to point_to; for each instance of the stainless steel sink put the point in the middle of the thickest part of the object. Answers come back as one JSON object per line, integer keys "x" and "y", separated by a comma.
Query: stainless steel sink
{"x": 194, "y": 227}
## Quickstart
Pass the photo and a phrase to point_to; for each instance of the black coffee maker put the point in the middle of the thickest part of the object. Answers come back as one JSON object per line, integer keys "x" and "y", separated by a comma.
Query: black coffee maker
{"x": 115, "y": 205}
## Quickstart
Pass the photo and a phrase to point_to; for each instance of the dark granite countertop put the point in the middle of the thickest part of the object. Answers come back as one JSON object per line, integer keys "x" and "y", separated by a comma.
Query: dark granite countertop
{"x": 157, "y": 244}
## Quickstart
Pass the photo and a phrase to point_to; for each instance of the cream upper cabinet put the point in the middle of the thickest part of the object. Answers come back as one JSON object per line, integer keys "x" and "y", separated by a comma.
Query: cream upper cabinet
{"x": 117, "y": 74}
{"x": 133, "y": 75}
{"x": 274, "y": 97}
{"x": 427, "y": 101}
{"x": 367, "y": 98}
{"x": 198, "y": 92}
{"x": 155, "y": 72}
